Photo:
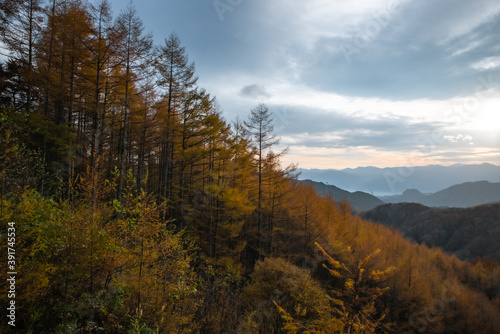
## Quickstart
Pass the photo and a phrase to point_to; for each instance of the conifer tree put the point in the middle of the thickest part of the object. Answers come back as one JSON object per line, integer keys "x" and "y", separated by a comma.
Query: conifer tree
{"x": 24, "y": 24}
{"x": 177, "y": 78}
{"x": 260, "y": 128}
{"x": 102, "y": 46}
{"x": 135, "y": 47}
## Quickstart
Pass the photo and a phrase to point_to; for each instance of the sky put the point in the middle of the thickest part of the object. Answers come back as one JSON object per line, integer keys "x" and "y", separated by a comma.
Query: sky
{"x": 350, "y": 83}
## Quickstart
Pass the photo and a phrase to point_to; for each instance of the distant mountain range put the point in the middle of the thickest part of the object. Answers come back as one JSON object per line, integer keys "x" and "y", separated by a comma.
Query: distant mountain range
{"x": 392, "y": 181}
{"x": 359, "y": 200}
{"x": 463, "y": 195}
{"x": 456, "y": 208}
{"x": 469, "y": 233}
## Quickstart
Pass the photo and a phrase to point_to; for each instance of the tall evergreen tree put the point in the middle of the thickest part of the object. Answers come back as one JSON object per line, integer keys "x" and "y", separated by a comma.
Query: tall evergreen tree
{"x": 176, "y": 78}
{"x": 135, "y": 47}
{"x": 260, "y": 128}
{"x": 102, "y": 47}
{"x": 24, "y": 22}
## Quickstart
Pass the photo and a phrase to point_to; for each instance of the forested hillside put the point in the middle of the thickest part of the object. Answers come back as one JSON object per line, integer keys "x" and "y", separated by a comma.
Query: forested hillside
{"x": 358, "y": 200}
{"x": 469, "y": 233}
{"x": 464, "y": 195}
{"x": 132, "y": 206}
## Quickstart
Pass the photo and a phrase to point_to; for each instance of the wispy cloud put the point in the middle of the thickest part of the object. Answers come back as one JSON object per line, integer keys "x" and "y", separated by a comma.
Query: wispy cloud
{"x": 423, "y": 74}
{"x": 487, "y": 63}
{"x": 255, "y": 92}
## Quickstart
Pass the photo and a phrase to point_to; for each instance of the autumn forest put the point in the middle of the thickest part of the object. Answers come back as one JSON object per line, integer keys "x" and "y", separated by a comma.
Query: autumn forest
{"x": 139, "y": 209}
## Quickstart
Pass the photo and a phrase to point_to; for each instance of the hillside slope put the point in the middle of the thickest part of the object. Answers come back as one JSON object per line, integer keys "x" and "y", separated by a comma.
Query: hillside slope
{"x": 360, "y": 201}
{"x": 468, "y": 233}
{"x": 395, "y": 180}
{"x": 465, "y": 195}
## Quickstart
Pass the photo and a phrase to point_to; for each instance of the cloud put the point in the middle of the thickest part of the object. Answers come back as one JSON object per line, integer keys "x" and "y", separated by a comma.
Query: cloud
{"x": 412, "y": 80}
{"x": 383, "y": 135}
{"x": 421, "y": 49}
{"x": 487, "y": 63}
{"x": 255, "y": 92}
{"x": 459, "y": 138}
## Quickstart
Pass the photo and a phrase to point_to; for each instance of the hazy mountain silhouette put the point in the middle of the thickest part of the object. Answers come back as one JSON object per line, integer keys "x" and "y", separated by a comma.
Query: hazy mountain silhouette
{"x": 463, "y": 195}
{"x": 469, "y": 233}
{"x": 392, "y": 181}
{"x": 359, "y": 200}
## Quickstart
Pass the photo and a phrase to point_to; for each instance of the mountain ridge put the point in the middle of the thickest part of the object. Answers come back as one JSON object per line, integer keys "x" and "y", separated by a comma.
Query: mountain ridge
{"x": 467, "y": 194}
{"x": 359, "y": 201}
{"x": 469, "y": 233}
{"x": 395, "y": 180}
